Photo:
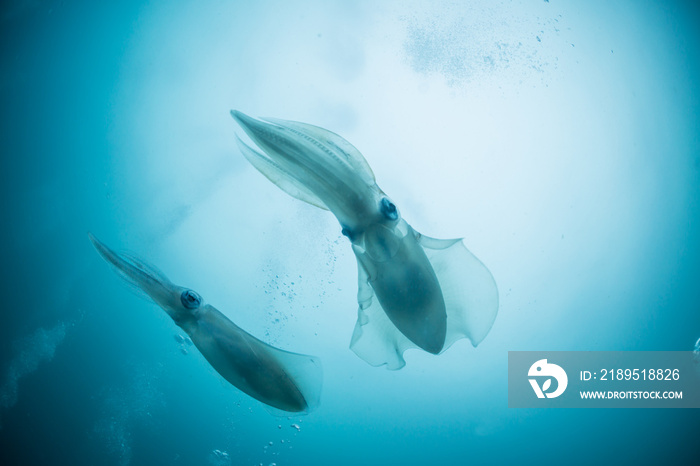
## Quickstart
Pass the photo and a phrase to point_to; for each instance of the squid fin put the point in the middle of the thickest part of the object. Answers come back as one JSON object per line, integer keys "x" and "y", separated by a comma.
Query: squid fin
{"x": 307, "y": 373}
{"x": 469, "y": 289}
{"x": 375, "y": 339}
{"x": 471, "y": 303}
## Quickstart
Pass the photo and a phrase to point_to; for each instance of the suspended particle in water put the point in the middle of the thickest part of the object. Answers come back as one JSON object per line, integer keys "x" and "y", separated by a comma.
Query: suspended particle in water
{"x": 296, "y": 426}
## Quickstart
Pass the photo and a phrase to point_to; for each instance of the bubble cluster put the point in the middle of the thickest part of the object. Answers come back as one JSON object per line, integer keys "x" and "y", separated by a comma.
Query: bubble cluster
{"x": 281, "y": 292}
{"x": 276, "y": 447}
{"x": 184, "y": 342}
{"x": 462, "y": 45}
{"x": 125, "y": 407}
{"x": 220, "y": 458}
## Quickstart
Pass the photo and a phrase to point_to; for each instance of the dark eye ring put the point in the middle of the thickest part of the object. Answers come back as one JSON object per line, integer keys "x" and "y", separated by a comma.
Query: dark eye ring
{"x": 190, "y": 299}
{"x": 388, "y": 209}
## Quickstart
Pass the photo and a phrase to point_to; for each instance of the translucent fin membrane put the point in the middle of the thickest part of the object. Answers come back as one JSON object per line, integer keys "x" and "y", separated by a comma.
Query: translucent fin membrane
{"x": 471, "y": 302}
{"x": 285, "y": 381}
{"x": 307, "y": 373}
{"x": 375, "y": 339}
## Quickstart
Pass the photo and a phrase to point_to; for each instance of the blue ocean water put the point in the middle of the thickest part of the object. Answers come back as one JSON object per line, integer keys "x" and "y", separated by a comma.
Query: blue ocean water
{"x": 559, "y": 138}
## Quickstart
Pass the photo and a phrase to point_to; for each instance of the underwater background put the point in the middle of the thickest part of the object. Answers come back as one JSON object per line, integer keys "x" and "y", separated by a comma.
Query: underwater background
{"x": 561, "y": 139}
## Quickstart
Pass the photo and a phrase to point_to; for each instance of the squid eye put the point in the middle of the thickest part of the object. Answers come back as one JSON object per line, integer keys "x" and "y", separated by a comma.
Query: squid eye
{"x": 190, "y": 299}
{"x": 388, "y": 209}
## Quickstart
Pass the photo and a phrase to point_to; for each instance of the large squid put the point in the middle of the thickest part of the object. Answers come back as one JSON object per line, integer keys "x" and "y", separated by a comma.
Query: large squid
{"x": 283, "y": 381}
{"x": 414, "y": 291}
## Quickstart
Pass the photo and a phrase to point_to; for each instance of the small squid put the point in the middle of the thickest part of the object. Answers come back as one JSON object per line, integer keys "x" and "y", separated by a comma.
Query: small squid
{"x": 283, "y": 381}
{"x": 414, "y": 291}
